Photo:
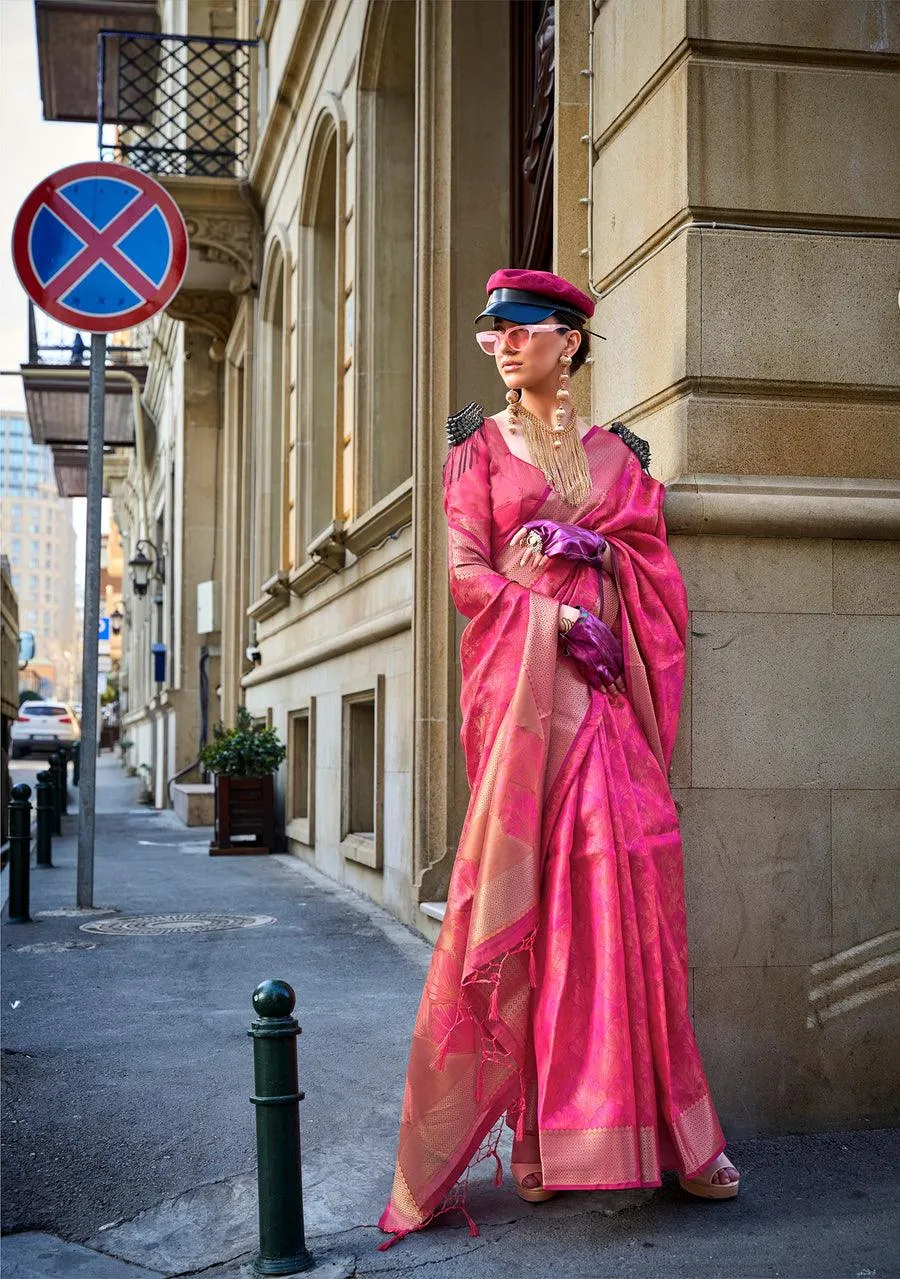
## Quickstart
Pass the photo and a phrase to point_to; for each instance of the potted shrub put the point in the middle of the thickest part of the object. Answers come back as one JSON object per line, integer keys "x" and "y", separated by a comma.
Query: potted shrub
{"x": 244, "y": 759}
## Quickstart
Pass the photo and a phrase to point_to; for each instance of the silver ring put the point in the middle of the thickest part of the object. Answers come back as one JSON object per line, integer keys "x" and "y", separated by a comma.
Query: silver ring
{"x": 535, "y": 541}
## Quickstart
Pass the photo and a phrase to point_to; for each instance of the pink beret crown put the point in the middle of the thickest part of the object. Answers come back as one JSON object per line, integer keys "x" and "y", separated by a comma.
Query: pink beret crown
{"x": 543, "y": 285}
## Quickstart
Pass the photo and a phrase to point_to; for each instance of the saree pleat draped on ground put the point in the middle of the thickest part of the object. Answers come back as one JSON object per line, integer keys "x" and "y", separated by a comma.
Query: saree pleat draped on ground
{"x": 557, "y": 995}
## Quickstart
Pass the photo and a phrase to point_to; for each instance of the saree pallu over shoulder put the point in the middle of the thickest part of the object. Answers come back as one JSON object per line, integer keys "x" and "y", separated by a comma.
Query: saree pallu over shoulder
{"x": 469, "y": 1038}
{"x": 473, "y": 1037}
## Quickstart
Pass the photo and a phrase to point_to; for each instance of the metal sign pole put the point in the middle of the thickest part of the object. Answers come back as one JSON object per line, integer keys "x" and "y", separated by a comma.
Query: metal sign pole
{"x": 143, "y": 244}
{"x": 87, "y": 784}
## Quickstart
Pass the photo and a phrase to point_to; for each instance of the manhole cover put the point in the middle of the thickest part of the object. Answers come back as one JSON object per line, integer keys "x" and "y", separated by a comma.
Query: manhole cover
{"x": 160, "y": 925}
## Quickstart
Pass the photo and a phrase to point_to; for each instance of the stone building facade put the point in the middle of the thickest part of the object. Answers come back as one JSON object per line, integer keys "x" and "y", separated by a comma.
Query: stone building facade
{"x": 37, "y": 536}
{"x": 744, "y": 251}
{"x": 721, "y": 177}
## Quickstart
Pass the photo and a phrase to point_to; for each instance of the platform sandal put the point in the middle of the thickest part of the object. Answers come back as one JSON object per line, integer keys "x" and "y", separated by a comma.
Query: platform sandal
{"x": 531, "y": 1194}
{"x": 703, "y": 1186}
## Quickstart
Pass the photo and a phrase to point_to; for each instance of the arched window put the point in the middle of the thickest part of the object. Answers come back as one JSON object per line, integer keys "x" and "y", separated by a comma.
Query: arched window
{"x": 272, "y": 504}
{"x": 320, "y": 315}
{"x": 386, "y": 198}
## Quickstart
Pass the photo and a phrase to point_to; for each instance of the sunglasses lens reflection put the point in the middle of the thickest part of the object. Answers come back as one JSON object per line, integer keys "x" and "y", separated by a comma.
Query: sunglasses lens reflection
{"x": 514, "y": 339}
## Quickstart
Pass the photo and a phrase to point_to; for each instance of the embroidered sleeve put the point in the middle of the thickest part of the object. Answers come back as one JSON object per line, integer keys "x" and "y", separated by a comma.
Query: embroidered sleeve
{"x": 640, "y": 448}
{"x": 474, "y": 582}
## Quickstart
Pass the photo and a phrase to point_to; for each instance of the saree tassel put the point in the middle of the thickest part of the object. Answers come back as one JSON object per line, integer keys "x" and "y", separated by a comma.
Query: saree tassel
{"x": 440, "y": 1057}
{"x": 473, "y": 1229}
{"x": 498, "y": 1175}
{"x": 389, "y": 1243}
{"x": 494, "y": 1010}
{"x": 521, "y": 1106}
{"x": 479, "y": 1077}
{"x": 532, "y": 969}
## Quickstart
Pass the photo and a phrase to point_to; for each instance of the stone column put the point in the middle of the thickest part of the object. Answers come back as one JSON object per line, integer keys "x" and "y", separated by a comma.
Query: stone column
{"x": 572, "y": 164}
{"x": 198, "y": 518}
{"x": 237, "y": 474}
{"x": 462, "y": 235}
{"x": 745, "y": 200}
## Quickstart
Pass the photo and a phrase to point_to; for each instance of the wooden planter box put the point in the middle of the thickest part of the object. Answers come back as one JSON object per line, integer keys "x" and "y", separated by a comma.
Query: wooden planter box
{"x": 245, "y": 815}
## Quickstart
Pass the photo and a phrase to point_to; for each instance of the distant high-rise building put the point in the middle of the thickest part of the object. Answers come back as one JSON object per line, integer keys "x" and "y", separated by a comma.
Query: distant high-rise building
{"x": 37, "y": 535}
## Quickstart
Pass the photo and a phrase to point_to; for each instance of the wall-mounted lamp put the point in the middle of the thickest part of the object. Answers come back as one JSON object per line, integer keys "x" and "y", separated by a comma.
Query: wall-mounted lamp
{"x": 116, "y": 618}
{"x": 144, "y": 567}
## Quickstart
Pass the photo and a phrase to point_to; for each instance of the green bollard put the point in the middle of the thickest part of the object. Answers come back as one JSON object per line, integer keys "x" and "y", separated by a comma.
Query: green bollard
{"x": 282, "y": 1239}
{"x": 63, "y": 781}
{"x": 56, "y": 811}
{"x": 19, "y": 853}
{"x": 43, "y": 797}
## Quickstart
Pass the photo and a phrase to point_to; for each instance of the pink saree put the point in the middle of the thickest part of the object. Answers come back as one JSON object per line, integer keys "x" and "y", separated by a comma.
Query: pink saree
{"x": 557, "y": 996}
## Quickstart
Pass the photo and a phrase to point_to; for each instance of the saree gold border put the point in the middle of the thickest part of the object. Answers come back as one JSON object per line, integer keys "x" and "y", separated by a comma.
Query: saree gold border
{"x": 697, "y": 1133}
{"x": 617, "y": 1156}
{"x": 531, "y": 708}
{"x": 599, "y": 1156}
{"x": 403, "y": 1199}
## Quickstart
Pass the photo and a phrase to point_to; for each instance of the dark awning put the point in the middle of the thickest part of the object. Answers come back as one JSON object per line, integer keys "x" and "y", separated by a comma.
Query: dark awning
{"x": 67, "y": 51}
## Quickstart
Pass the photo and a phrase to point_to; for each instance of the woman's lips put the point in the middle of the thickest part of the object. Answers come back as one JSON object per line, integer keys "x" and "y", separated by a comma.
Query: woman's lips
{"x": 508, "y": 365}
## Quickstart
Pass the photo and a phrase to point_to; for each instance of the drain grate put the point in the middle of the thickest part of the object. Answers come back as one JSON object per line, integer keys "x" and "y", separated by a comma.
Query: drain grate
{"x": 163, "y": 925}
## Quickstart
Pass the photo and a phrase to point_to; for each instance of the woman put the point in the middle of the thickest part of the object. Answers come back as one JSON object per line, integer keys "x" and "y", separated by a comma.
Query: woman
{"x": 557, "y": 997}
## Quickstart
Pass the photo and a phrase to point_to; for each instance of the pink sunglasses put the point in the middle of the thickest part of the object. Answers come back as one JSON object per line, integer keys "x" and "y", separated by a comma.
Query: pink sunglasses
{"x": 516, "y": 339}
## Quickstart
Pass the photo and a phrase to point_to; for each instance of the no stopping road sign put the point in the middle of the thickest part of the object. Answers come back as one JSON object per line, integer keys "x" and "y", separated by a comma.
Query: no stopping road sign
{"x": 100, "y": 247}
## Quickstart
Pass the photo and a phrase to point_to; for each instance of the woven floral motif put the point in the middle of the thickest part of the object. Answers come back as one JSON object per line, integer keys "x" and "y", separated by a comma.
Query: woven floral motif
{"x": 557, "y": 999}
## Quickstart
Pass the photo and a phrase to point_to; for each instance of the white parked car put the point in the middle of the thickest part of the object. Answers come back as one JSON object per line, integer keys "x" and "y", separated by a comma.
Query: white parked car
{"x": 44, "y": 726}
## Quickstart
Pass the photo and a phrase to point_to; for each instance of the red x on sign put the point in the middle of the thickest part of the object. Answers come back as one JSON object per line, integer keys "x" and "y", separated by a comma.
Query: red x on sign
{"x": 100, "y": 246}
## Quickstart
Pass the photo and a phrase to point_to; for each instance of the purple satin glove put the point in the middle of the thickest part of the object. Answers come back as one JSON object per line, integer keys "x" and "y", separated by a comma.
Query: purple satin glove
{"x": 594, "y": 650}
{"x": 569, "y": 541}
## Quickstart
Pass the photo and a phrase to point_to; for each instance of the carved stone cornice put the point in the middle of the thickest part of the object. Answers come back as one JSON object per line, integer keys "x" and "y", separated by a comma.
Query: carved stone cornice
{"x": 385, "y": 518}
{"x": 115, "y": 472}
{"x": 224, "y": 241}
{"x": 783, "y": 506}
{"x": 211, "y": 312}
{"x": 222, "y": 230}
{"x": 328, "y": 548}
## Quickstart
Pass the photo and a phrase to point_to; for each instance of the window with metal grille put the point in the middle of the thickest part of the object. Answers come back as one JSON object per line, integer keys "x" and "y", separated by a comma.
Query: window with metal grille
{"x": 362, "y": 774}
{"x": 361, "y": 765}
{"x": 299, "y": 748}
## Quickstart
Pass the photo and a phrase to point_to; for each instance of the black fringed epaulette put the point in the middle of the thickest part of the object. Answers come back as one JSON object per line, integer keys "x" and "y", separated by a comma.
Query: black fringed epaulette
{"x": 461, "y": 427}
{"x": 640, "y": 448}
{"x": 464, "y": 423}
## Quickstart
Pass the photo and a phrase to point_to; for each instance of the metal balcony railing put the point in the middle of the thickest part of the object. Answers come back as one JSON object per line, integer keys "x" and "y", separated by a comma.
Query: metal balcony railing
{"x": 51, "y": 343}
{"x": 181, "y": 104}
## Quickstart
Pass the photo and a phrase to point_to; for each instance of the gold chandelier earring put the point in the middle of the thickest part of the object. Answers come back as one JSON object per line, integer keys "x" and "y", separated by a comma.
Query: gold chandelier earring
{"x": 512, "y": 399}
{"x": 563, "y": 395}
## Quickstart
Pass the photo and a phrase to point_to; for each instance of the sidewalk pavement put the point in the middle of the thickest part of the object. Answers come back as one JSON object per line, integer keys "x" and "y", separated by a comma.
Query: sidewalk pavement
{"x": 128, "y": 1138}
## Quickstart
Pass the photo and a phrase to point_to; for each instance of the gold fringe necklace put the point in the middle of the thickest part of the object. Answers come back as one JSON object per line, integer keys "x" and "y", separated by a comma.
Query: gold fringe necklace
{"x": 557, "y": 451}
